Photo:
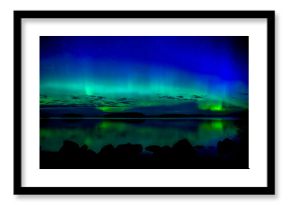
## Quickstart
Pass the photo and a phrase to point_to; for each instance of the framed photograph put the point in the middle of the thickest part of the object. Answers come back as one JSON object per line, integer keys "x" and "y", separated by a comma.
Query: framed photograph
{"x": 144, "y": 102}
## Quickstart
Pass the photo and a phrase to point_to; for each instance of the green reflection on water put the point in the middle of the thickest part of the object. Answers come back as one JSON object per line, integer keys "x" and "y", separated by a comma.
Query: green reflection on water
{"x": 153, "y": 132}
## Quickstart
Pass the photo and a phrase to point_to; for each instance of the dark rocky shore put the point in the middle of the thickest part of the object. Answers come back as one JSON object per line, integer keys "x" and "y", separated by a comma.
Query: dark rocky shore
{"x": 227, "y": 155}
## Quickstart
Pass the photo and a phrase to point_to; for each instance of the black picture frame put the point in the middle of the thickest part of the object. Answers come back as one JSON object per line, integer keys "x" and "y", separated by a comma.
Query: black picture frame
{"x": 270, "y": 18}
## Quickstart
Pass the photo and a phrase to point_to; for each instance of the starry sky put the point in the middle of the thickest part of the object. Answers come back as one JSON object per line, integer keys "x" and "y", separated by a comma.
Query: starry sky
{"x": 148, "y": 74}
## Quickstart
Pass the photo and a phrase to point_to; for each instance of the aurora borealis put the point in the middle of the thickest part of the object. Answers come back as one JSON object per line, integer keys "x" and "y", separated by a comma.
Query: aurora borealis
{"x": 147, "y": 74}
{"x": 143, "y": 102}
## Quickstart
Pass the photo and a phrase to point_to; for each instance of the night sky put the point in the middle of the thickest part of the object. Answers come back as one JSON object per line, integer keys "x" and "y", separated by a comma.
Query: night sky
{"x": 148, "y": 74}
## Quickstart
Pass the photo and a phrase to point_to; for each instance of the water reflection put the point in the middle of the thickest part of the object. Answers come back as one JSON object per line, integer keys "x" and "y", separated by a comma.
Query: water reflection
{"x": 96, "y": 133}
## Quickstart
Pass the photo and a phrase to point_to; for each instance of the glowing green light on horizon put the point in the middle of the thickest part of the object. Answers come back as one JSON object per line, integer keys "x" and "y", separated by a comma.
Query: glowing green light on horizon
{"x": 217, "y": 107}
{"x": 111, "y": 109}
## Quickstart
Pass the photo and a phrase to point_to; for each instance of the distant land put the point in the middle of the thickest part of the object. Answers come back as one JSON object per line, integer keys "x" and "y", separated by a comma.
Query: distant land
{"x": 96, "y": 114}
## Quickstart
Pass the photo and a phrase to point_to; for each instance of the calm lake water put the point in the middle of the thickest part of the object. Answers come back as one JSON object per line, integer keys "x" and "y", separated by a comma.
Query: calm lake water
{"x": 96, "y": 133}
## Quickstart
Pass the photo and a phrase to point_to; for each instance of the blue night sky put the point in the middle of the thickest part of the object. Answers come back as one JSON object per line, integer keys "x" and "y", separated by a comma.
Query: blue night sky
{"x": 150, "y": 74}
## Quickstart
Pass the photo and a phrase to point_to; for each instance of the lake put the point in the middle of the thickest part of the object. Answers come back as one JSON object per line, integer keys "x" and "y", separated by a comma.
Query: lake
{"x": 96, "y": 133}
